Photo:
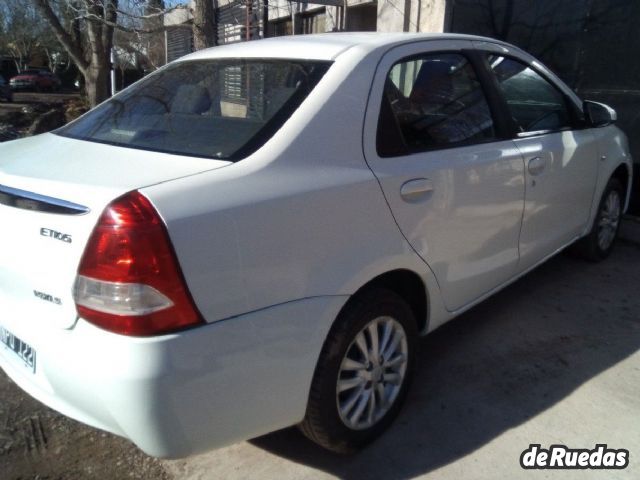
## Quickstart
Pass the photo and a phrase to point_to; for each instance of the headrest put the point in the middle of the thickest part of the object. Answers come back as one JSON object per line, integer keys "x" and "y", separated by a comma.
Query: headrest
{"x": 191, "y": 99}
{"x": 433, "y": 82}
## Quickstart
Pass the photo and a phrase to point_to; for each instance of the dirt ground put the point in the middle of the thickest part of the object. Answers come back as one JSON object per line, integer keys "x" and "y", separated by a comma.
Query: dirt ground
{"x": 20, "y": 99}
{"x": 552, "y": 359}
{"x": 32, "y": 113}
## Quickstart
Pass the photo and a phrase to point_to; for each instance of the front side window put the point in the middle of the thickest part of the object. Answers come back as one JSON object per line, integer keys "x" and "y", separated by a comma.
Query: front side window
{"x": 533, "y": 102}
{"x": 222, "y": 109}
{"x": 437, "y": 102}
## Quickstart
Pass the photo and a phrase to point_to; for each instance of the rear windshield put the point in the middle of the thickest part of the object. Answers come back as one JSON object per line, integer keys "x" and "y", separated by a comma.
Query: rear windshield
{"x": 224, "y": 109}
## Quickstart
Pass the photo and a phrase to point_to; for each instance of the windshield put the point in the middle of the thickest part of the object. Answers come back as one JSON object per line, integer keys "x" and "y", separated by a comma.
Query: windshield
{"x": 223, "y": 109}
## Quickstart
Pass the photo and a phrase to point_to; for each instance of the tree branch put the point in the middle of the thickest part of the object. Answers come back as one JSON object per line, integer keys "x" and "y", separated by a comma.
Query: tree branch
{"x": 62, "y": 35}
{"x": 95, "y": 18}
{"x": 149, "y": 16}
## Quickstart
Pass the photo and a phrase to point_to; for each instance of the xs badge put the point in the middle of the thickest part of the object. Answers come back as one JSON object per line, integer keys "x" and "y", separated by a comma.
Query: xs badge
{"x": 47, "y": 297}
{"x": 47, "y": 232}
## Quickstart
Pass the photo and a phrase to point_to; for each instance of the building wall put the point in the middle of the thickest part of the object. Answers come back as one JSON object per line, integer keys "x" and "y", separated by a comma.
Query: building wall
{"x": 361, "y": 15}
{"x": 413, "y": 15}
{"x": 178, "y": 38}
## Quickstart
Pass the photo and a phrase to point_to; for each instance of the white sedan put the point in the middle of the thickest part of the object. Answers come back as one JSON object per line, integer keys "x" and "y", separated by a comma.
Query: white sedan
{"x": 255, "y": 235}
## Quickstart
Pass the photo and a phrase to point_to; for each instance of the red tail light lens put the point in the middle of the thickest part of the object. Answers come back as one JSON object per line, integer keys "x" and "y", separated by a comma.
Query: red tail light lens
{"x": 129, "y": 280}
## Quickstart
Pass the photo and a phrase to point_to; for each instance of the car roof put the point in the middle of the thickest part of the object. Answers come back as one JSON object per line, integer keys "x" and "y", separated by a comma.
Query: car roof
{"x": 321, "y": 46}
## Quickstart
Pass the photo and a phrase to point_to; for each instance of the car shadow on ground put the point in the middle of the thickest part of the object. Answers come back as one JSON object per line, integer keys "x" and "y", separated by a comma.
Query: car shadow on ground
{"x": 498, "y": 365}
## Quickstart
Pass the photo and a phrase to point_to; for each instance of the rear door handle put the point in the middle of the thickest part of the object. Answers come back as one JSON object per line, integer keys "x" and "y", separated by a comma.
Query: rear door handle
{"x": 536, "y": 165}
{"x": 415, "y": 190}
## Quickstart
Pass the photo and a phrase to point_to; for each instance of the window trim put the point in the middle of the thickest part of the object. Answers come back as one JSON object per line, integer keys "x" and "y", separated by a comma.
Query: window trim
{"x": 500, "y": 128}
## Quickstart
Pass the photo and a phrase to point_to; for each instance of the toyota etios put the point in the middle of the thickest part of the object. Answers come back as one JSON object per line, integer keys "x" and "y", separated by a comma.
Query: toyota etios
{"x": 254, "y": 236}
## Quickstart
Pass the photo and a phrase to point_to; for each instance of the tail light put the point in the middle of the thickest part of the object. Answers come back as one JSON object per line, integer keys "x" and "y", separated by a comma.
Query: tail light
{"x": 129, "y": 280}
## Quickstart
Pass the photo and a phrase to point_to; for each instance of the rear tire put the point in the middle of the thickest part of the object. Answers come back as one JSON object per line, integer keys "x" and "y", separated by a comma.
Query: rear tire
{"x": 599, "y": 242}
{"x": 354, "y": 397}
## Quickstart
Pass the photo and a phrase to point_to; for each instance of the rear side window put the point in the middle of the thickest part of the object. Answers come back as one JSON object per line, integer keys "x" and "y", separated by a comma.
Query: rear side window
{"x": 437, "y": 102}
{"x": 534, "y": 103}
{"x": 223, "y": 109}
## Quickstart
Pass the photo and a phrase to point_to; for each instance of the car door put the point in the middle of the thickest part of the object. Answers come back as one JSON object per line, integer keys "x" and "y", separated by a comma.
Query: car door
{"x": 561, "y": 157}
{"x": 453, "y": 181}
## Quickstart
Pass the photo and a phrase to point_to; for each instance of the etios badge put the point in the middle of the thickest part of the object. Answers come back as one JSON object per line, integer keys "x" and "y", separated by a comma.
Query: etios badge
{"x": 63, "y": 237}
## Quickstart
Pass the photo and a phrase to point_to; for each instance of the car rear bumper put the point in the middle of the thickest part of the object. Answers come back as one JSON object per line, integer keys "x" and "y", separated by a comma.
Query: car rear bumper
{"x": 187, "y": 392}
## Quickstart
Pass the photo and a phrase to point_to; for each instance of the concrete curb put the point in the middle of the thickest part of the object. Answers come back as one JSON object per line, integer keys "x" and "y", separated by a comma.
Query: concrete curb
{"x": 630, "y": 229}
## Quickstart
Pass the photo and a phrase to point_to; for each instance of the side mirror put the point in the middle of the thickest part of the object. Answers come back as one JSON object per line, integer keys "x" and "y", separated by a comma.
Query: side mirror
{"x": 599, "y": 114}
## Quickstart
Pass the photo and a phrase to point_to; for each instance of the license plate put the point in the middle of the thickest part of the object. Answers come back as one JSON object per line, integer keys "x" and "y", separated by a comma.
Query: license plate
{"x": 21, "y": 349}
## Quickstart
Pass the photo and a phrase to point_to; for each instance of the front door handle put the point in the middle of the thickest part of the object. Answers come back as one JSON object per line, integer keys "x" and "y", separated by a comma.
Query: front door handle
{"x": 536, "y": 165}
{"x": 416, "y": 190}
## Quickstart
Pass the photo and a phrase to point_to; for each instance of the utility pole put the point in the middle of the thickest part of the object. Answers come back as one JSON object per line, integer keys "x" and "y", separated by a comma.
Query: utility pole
{"x": 265, "y": 18}
{"x": 294, "y": 15}
{"x": 344, "y": 16}
{"x": 113, "y": 72}
{"x": 249, "y": 9}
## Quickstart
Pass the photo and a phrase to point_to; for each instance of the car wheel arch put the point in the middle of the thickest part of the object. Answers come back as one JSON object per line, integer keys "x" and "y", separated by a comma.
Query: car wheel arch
{"x": 409, "y": 286}
{"x": 623, "y": 175}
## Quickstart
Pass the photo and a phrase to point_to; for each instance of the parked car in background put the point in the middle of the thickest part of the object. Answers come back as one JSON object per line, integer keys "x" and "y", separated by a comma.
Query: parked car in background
{"x": 254, "y": 236}
{"x": 5, "y": 90}
{"x": 35, "y": 80}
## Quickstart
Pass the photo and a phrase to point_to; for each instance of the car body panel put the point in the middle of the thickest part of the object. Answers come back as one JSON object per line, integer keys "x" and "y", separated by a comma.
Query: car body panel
{"x": 467, "y": 229}
{"x": 83, "y": 169}
{"x": 235, "y": 258}
{"x": 35, "y": 79}
{"x": 559, "y": 197}
{"x": 320, "y": 46}
{"x": 613, "y": 150}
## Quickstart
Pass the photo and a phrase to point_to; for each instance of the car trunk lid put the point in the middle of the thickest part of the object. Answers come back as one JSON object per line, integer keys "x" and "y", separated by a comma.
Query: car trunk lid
{"x": 52, "y": 192}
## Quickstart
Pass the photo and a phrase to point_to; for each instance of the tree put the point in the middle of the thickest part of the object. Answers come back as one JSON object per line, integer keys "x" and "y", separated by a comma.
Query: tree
{"x": 23, "y": 33}
{"x": 93, "y": 57}
{"x": 152, "y": 42}
{"x": 85, "y": 28}
{"x": 204, "y": 31}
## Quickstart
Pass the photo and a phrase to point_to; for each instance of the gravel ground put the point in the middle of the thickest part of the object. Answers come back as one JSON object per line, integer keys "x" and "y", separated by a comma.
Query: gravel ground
{"x": 553, "y": 358}
{"x": 38, "y": 443}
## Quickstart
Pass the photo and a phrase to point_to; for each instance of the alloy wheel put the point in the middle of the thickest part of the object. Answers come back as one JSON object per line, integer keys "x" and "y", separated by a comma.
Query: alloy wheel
{"x": 609, "y": 220}
{"x": 372, "y": 373}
